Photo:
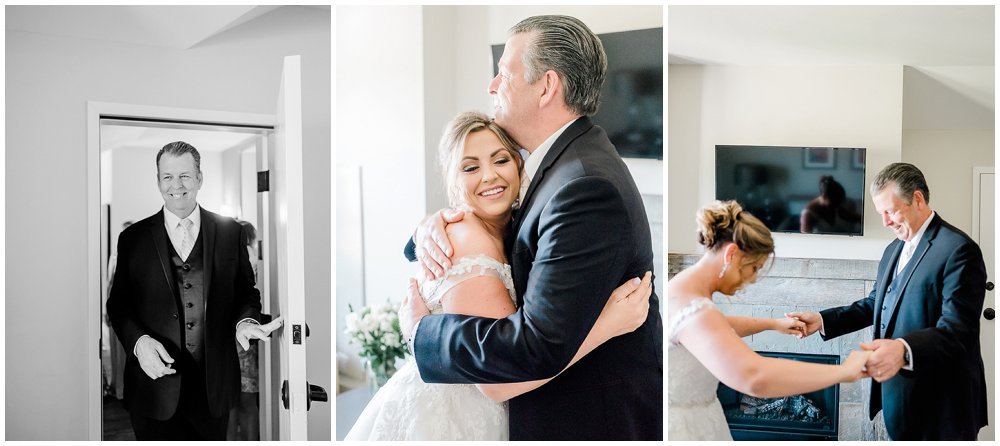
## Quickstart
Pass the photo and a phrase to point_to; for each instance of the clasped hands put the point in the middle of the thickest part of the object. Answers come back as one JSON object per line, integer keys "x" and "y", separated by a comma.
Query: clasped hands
{"x": 884, "y": 356}
{"x": 157, "y": 363}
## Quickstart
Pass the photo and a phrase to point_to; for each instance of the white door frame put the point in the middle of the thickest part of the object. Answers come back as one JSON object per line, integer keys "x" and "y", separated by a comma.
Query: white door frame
{"x": 95, "y": 110}
{"x": 977, "y": 173}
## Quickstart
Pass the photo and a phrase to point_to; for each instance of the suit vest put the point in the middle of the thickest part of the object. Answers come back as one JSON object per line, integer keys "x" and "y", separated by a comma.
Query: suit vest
{"x": 893, "y": 293}
{"x": 190, "y": 287}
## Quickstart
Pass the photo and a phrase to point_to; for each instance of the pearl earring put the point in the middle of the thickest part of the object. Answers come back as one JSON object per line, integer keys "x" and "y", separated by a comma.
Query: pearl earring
{"x": 725, "y": 267}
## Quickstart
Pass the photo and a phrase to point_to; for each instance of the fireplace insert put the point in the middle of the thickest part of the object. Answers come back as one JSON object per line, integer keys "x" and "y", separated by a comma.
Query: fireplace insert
{"x": 810, "y": 416}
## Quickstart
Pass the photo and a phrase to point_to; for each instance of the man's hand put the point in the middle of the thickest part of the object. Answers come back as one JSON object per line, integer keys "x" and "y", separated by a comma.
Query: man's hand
{"x": 812, "y": 319}
{"x": 627, "y": 308}
{"x": 411, "y": 310}
{"x": 433, "y": 248}
{"x": 153, "y": 358}
{"x": 247, "y": 330}
{"x": 886, "y": 358}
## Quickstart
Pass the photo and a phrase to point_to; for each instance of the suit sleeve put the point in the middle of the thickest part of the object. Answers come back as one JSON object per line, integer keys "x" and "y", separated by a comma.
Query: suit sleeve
{"x": 583, "y": 241}
{"x": 957, "y": 329}
{"x": 410, "y": 250}
{"x": 850, "y": 318}
{"x": 119, "y": 307}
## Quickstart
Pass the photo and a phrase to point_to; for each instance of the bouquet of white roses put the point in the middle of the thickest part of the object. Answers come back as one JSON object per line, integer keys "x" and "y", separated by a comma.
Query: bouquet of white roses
{"x": 376, "y": 330}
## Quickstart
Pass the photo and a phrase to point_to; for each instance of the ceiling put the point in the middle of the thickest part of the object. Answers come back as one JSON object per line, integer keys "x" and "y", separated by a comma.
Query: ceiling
{"x": 947, "y": 51}
{"x": 832, "y": 35}
{"x": 177, "y": 27}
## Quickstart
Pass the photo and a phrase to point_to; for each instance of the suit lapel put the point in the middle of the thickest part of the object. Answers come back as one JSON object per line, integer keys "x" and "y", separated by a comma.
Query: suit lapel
{"x": 883, "y": 284}
{"x": 577, "y": 128}
{"x": 208, "y": 248}
{"x": 160, "y": 240}
{"x": 925, "y": 244}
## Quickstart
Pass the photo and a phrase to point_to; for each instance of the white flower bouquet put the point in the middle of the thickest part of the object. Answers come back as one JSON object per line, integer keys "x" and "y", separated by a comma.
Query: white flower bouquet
{"x": 376, "y": 330}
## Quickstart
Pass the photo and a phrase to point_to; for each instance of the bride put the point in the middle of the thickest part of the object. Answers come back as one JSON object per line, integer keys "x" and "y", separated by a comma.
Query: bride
{"x": 704, "y": 345}
{"x": 483, "y": 175}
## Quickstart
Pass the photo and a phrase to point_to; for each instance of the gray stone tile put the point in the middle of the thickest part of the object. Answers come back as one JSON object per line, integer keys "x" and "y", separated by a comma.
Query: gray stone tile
{"x": 853, "y": 420}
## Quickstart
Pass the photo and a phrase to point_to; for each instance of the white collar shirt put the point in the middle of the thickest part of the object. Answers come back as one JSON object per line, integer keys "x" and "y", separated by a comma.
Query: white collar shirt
{"x": 171, "y": 221}
{"x": 910, "y": 246}
{"x": 534, "y": 160}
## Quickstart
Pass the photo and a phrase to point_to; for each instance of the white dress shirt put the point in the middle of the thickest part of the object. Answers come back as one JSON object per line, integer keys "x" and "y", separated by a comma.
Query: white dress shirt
{"x": 171, "y": 221}
{"x": 534, "y": 161}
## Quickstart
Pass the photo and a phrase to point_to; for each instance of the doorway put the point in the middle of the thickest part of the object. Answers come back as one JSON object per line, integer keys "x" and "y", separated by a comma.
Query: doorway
{"x": 983, "y": 232}
{"x": 123, "y": 142}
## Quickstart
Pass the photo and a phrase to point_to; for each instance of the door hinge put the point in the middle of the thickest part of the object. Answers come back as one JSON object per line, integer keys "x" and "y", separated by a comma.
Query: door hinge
{"x": 264, "y": 181}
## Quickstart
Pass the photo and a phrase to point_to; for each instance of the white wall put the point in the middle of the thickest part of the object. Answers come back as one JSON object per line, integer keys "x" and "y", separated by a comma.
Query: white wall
{"x": 783, "y": 106}
{"x": 239, "y": 70}
{"x": 380, "y": 127}
{"x": 946, "y": 157}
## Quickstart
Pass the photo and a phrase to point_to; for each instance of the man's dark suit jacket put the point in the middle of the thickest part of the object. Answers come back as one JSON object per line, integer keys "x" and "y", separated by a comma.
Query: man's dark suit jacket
{"x": 580, "y": 233}
{"x": 143, "y": 302}
{"x": 944, "y": 397}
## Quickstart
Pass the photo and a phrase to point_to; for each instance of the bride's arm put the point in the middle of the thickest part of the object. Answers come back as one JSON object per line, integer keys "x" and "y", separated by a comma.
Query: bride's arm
{"x": 710, "y": 338}
{"x": 625, "y": 311}
{"x": 745, "y": 326}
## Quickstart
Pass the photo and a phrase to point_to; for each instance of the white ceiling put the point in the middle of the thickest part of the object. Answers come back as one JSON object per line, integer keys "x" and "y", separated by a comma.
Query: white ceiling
{"x": 205, "y": 140}
{"x": 177, "y": 27}
{"x": 948, "y": 51}
{"x": 831, "y": 35}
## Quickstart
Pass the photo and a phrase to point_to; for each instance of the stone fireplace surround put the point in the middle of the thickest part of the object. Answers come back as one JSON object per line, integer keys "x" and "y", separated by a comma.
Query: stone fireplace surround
{"x": 792, "y": 284}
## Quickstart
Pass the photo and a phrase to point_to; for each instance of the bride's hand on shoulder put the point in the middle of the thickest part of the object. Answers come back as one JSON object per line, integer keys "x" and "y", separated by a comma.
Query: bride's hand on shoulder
{"x": 854, "y": 366}
{"x": 627, "y": 308}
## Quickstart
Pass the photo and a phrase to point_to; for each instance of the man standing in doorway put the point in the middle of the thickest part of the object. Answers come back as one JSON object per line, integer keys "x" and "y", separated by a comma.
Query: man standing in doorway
{"x": 183, "y": 289}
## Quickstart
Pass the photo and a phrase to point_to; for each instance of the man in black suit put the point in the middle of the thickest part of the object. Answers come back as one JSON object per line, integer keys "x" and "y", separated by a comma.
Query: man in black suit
{"x": 183, "y": 291}
{"x": 581, "y": 231}
{"x": 924, "y": 307}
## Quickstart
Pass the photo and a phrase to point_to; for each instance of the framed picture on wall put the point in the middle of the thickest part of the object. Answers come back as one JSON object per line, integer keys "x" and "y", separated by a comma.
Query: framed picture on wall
{"x": 858, "y": 159}
{"x": 818, "y": 158}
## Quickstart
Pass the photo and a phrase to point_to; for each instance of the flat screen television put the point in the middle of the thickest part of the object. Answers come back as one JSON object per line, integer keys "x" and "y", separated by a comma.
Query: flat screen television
{"x": 810, "y": 190}
{"x": 631, "y": 107}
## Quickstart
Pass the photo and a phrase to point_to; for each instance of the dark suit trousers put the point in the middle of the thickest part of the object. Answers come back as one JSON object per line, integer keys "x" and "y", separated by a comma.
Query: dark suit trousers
{"x": 192, "y": 420}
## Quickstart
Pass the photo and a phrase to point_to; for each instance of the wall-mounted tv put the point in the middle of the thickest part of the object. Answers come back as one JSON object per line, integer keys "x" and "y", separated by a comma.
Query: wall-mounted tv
{"x": 631, "y": 108}
{"x": 809, "y": 190}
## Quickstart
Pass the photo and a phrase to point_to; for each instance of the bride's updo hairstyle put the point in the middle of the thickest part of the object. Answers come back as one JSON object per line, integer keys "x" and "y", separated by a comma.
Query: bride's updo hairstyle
{"x": 453, "y": 145}
{"x": 723, "y": 222}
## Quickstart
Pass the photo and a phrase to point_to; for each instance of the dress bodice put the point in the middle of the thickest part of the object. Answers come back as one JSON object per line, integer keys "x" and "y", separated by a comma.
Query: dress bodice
{"x": 694, "y": 409}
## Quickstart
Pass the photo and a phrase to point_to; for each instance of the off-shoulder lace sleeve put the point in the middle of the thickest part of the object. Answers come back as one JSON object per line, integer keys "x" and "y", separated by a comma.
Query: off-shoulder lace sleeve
{"x": 685, "y": 315}
{"x": 462, "y": 269}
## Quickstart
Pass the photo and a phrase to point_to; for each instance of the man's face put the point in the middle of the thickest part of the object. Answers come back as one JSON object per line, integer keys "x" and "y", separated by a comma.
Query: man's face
{"x": 904, "y": 220}
{"x": 514, "y": 99}
{"x": 179, "y": 182}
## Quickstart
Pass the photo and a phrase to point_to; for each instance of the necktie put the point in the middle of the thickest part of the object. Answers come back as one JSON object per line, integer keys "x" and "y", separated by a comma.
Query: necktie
{"x": 187, "y": 241}
{"x": 905, "y": 255}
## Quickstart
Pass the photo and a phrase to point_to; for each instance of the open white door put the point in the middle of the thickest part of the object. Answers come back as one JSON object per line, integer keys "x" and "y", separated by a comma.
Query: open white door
{"x": 983, "y": 227}
{"x": 286, "y": 260}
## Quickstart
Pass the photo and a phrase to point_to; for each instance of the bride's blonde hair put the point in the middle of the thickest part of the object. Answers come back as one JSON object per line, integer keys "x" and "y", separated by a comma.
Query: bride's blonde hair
{"x": 453, "y": 143}
{"x": 723, "y": 222}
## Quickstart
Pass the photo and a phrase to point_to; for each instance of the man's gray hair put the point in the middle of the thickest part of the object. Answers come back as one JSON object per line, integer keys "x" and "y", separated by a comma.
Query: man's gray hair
{"x": 179, "y": 148}
{"x": 565, "y": 45}
{"x": 907, "y": 179}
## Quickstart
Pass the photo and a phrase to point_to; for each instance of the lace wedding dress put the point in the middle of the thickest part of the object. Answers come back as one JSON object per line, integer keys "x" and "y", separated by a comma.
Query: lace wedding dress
{"x": 693, "y": 407}
{"x": 406, "y": 408}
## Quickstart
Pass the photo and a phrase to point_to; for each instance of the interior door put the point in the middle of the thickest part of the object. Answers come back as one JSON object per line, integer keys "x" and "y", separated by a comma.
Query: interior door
{"x": 984, "y": 204}
{"x": 287, "y": 260}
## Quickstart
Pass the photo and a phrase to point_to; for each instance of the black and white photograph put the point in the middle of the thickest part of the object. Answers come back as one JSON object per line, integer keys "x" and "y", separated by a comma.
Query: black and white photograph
{"x": 528, "y": 141}
{"x": 831, "y": 223}
{"x": 169, "y": 209}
